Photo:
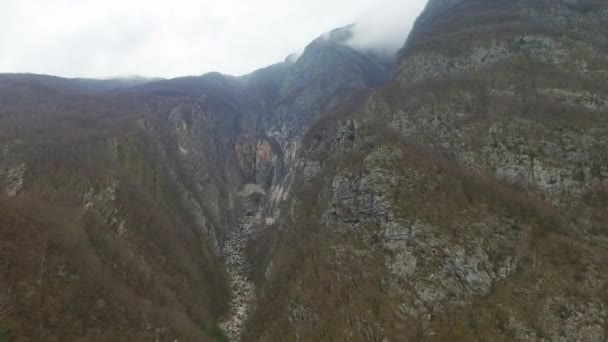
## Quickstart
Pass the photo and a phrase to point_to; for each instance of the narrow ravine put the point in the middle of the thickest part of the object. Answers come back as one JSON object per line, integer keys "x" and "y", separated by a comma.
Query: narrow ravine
{"x": 243, "y": 289}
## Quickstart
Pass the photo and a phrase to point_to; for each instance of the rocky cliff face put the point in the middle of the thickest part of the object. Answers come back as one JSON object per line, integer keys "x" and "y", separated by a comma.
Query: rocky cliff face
{"x": 462, "y": 202}
{"x": 456, "y": 193}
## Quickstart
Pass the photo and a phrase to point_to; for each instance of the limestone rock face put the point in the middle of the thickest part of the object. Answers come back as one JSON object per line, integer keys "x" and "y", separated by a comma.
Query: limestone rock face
{"x": 14, "y": 179}
{"x": 463, "y": 192}
{"x": 534, "y": 142}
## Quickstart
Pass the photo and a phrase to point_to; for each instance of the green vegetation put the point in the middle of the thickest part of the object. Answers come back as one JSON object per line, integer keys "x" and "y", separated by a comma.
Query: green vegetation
{"x": 5, "y": 335}
{"x": 218, "y": 334}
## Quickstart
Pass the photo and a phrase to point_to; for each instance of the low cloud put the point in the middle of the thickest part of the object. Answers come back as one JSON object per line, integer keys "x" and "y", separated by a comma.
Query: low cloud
{"x": 92, "y": 38}
{"x": 385, "y": 27}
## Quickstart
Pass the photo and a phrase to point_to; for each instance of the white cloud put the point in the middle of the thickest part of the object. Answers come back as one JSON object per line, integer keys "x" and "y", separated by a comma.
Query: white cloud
{"x": 103, "y": 38}
{"x": 385, "y": 26}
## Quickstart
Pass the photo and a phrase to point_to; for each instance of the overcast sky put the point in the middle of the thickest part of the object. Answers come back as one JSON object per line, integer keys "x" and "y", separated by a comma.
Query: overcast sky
{"x": 169, "y": 38}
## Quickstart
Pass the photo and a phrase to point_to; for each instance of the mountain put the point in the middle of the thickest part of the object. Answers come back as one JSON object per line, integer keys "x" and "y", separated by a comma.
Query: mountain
{"x": 454, "y": 192}
{"x": 73, "y": 85}
{"x": 118, "y": 199}
{"x": 466, "y": 200}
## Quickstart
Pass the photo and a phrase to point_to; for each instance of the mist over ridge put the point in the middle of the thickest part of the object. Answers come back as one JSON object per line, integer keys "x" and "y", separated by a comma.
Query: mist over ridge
{"x": 92, "y": 39}
{"x": 385, "y": 27}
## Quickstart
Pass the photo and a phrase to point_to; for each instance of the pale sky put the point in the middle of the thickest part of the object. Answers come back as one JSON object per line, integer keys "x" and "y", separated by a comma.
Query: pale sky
{"x": 159, "y": 38}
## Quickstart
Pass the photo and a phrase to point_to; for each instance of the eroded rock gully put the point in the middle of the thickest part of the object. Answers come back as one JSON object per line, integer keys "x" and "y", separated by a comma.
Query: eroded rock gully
{"x": 242, "y": 287}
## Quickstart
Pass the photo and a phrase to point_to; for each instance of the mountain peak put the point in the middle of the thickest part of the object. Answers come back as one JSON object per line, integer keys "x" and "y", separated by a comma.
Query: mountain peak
{"x": 339, "y": 35}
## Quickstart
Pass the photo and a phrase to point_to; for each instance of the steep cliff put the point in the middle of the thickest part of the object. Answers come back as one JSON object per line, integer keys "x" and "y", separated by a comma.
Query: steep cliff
{"x": 465, "y": 201}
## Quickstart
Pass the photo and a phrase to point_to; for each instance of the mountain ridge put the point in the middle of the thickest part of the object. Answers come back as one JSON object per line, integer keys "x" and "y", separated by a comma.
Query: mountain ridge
{"x": 456, "y": 192}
